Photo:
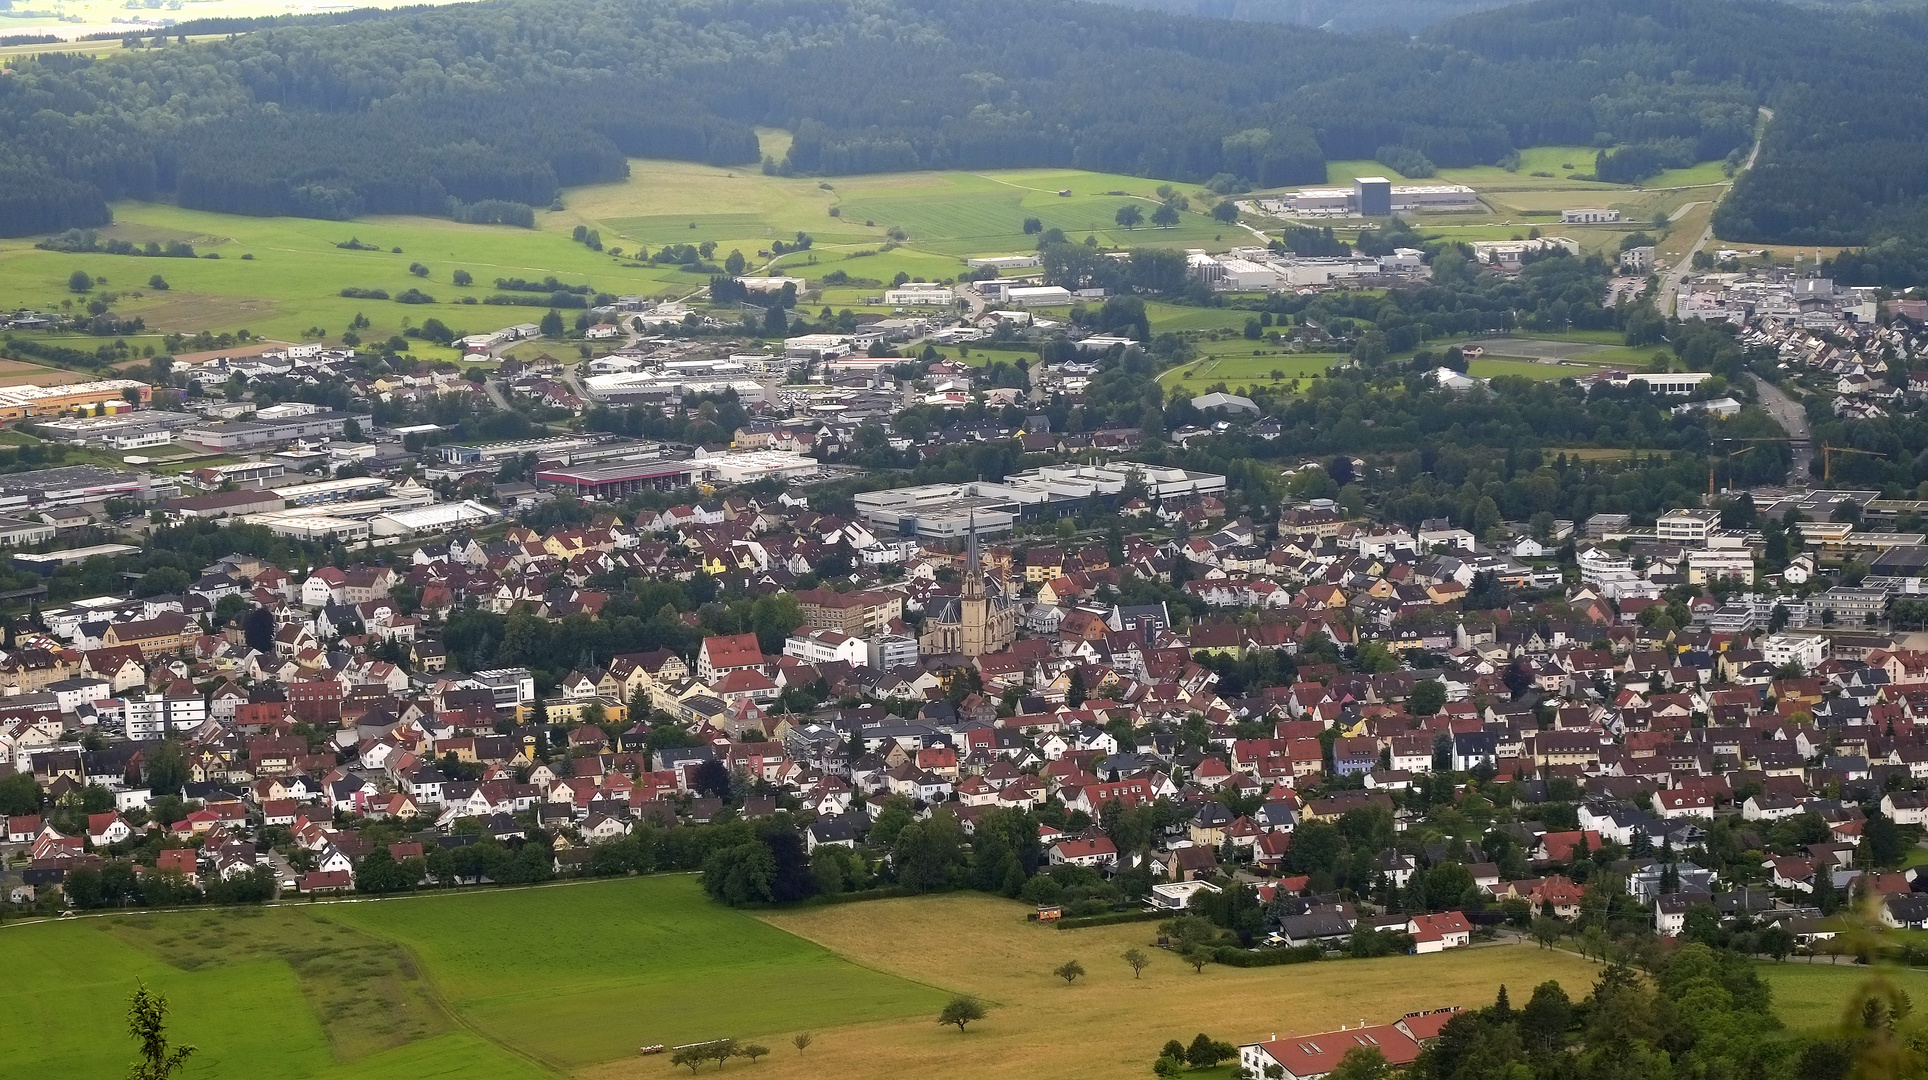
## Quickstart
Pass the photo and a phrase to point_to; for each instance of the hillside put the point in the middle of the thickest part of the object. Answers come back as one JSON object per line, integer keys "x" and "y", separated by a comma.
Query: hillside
{"x": 478, "y": 110}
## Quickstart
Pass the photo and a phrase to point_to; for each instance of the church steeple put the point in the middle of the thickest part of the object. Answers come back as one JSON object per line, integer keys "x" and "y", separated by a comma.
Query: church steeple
{"x": 973, "y": 565}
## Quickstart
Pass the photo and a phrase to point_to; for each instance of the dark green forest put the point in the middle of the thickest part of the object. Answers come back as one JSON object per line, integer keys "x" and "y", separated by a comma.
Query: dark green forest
{"x": 434, "y": 110}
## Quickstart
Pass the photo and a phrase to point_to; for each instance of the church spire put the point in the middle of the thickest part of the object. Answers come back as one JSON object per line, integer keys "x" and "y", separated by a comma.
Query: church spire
{"x": 973, "y": 566}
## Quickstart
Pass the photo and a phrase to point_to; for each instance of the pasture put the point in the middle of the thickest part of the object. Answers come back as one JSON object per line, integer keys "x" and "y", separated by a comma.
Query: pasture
{"x": 1810, "y": 997}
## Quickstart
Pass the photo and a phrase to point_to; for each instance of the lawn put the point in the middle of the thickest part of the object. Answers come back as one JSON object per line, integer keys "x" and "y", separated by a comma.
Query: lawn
{"x": 586, "y": 973}
{"x": 1108, "y": 1024}
{"x": 1487, "y": 369}
{"x": 1809, "y": 997}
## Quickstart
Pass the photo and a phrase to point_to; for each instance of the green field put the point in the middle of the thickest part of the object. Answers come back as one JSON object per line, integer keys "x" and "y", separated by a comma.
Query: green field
{"x": 1809, "y": 997}
{"x": 510, "y": 985}
{"x": 1250, "y": 371}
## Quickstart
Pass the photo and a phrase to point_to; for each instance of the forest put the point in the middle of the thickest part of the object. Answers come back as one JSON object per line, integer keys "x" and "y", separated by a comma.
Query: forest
{"x": 435, "y": 111}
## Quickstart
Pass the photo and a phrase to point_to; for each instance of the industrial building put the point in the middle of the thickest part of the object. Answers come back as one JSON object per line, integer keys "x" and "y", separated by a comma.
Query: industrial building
{"x": 19, "y": 532}
{"x": 434, "y": 518}
{"x": 614, "y": 481}
{"x": 1005, "y": 262}
{"x": 20, "y": 402}
{"x": 920, "y": 296}
{"x": 494, "y": 453}
{"x": 68, "y": 485}
{"x": 312, "y": 527}
{"x": 254, "y": 434}
{"x": 51, "y": 561}
{"x": 1588, "y": 216}
{"x": 1371, "y": 196}
{"x": 348, "y": 489}
{"x": 124, "y": 431}
{"x": 949, "y": 511}
{"x": 749, "y": 466}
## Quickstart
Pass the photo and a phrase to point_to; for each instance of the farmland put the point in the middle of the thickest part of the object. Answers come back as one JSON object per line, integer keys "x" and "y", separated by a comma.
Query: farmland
{"x": 509, "y": 984}
{"x": 984, "y": 946}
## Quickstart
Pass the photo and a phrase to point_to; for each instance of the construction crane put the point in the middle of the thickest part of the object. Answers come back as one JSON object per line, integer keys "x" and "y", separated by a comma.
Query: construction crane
{"x": 1828, "y": 452}
{"x": 1712, "y": 462}
{"x": 1715, "y": 459}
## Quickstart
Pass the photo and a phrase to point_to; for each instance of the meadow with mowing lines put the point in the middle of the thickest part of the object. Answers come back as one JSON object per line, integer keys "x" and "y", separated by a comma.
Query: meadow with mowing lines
{"x": 512, "y": 984}
{"x": 585, "y": 973}
{"x": 1279, "y": 371}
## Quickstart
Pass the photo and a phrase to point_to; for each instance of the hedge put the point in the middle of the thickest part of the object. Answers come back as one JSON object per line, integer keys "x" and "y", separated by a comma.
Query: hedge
{"x": 1232, "y": 956}
{"x": 1110, "y": 918}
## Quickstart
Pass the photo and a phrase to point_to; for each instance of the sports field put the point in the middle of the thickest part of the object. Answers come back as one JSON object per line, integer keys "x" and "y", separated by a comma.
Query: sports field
{"x": 1276, "y": 370}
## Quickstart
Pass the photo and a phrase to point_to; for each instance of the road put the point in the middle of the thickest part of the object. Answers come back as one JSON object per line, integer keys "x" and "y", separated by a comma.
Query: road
{"x": 1670, "y": 280}
{"x": 1793, "y": 419}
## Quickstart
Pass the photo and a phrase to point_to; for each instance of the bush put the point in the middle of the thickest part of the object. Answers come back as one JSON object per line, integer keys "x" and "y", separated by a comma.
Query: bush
{"x": 365, "y": 294}
{"x": 414, "y": 296}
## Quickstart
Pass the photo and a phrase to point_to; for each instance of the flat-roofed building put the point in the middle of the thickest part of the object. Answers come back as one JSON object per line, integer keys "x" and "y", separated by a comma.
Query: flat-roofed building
{"x": 18, "y": 402}
{"x": 623, "y": 478}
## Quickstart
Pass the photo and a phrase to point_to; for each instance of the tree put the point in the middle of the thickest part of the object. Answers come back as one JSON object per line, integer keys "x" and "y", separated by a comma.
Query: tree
{"x": 733, "y": 265}
{"x": 1197, "y": 956}
{"x": 79, "y": 281}
{"x": 19, "y": 795}
{"x": 1129, "y": 216}
{"x": 722, "y": 1050}
{"x": 166, "y": 770}
{"x": 753, "y": 1051}
{"x": 1137, "y": 960}
{"x": 462, "y": 277}
{"x": 1777, "y": 942}
{"x": 1165, "y": 216}
{"x": 551, "y": 325}
{"x": 1361, "y": 1063}
{"x": 157, "y": 283}
{"x": 1547, "y": 1015}
{"x": 1427, "y": 698}
{"x": 147, "y": 1022}
{"x": 1226, "y": 211}
{"x": 1069, "y": 971}
{"x": 961, "y": 1010}
{"x": 1547, "y": 930}
{"x": 802, "y": 1040}
{"x": 691, "y": 1057}
{"x": 1206, "y": 1052}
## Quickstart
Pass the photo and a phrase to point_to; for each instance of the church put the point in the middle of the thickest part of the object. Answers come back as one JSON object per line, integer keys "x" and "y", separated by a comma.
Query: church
{"x": 981, "y": 620}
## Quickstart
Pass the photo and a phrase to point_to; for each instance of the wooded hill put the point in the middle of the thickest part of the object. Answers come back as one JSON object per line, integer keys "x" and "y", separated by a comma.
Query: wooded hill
{"x": 430, "y": 110}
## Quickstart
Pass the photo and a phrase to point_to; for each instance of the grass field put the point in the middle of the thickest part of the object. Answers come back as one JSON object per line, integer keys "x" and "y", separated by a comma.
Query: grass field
{"x": 628, "y": 962}
{"x": 1250, "y": 371}
{"x": 539, "y": 983}
{"x": 430, "y": 986}
{"x": 1108, "y": 1024}
{"x": 1809, "y": 997}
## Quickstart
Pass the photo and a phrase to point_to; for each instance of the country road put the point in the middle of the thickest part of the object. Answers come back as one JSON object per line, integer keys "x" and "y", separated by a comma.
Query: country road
{"x": 1793, "y": 419}
{"x": 1669, "y": 292}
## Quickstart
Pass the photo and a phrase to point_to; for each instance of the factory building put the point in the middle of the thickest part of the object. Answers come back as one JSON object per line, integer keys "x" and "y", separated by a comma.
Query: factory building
{"x": 617, "y": 480}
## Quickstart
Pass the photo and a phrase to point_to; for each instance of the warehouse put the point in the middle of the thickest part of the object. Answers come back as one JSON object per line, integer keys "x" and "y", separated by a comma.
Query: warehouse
{"x": 438, "y": 517}
{"x": 311, "y": 527}
{"x": 220, "y": 504}
{"x": 17, "y": 402}
{"x": 252, "y": 434}
{"x": 749, "y": 466}
{"x": 70, "y": 484}
{"x": 347, "y": 489}
{"x": 622, "y": 478}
